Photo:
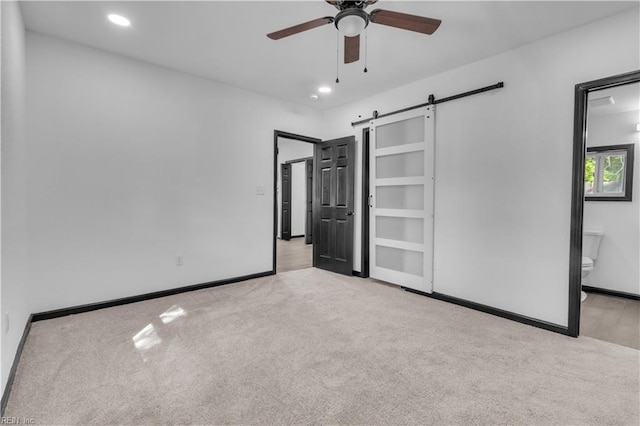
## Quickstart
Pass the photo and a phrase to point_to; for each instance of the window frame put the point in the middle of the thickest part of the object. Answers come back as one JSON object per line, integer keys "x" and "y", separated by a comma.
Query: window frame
{"x": 604, "y": 151}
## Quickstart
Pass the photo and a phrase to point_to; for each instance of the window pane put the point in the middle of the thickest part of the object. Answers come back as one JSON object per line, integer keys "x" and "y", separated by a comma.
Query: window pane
{"x": 400, "y": 133}
{"x": 407, "y": 261}
{"x": 613, "y": 176}
{"x": 400, "y": 165}
{"x": 589, "y": 175}
{"x": 400, "y": 229}
{"x": 400, "y": 197}
{"x": 606, "y": 171}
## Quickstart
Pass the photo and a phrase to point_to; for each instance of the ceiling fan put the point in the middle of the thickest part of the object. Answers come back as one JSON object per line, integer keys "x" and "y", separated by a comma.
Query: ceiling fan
{"x": 352, "y": 19}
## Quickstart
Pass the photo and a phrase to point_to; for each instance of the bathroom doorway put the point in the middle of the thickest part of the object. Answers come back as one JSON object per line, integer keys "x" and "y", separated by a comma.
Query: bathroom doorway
{"x": 604, "y": 298}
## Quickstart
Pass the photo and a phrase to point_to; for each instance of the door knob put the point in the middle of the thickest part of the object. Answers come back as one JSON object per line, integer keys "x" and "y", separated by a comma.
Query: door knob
{"x": 349, "y": 213}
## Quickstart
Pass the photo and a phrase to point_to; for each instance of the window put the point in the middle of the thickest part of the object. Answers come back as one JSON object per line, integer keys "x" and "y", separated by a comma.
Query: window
{"x": 608, "y": 173}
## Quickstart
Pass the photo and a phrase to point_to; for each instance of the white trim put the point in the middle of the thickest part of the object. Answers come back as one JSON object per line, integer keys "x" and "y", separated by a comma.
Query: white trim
{"x": 401, "y": 181}
{"x": 402, "y": 245}
{"x": 402, "y": 278}
{"x": 418, "y": 214}
{"x": 400, "y": 149}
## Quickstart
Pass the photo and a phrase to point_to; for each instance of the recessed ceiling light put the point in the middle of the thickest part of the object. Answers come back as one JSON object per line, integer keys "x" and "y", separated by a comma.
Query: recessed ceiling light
{"x": 119, "y": 20}
{"x": 324, "y": 89}
{"x": 314, "y": 97}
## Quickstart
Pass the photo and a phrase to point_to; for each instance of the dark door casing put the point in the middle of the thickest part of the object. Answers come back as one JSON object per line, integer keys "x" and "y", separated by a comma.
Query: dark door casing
{"x": 334, "y": 162}
{"x": 285, "y": 222}
{"x": 308, "y": 226}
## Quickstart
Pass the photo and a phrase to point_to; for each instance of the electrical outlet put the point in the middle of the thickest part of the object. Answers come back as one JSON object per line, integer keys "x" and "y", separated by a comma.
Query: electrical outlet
{"x": 6, "y": 322}
{"x": 179, "y": 260}
{"x": 260, "y": 190}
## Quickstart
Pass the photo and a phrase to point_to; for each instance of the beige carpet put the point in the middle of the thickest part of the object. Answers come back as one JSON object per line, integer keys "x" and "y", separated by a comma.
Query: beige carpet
{"x": 309, "y": 346}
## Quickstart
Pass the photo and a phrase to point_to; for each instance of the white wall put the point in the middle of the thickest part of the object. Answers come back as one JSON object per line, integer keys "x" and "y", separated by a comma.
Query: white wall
{"x": 131, "y": 164}
{"x": 288, "y": 150}
{"x": 13, "y": 291}
{"x": 617, "y": 267}
{"x": 503, "y": 164}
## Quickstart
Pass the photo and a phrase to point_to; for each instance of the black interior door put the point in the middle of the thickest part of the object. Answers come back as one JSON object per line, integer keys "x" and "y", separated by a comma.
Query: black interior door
{"x": 334, "y": 162}
{"x": 285, "y": 204}
{"x": 308, "y": 225}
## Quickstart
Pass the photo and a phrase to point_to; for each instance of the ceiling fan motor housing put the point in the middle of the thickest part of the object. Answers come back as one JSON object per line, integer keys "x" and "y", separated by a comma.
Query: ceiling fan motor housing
{"x": 352, "y": 21}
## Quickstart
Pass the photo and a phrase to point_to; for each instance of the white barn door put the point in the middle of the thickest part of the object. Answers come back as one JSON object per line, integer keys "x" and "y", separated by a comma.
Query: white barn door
{"x": 401, "y": 198}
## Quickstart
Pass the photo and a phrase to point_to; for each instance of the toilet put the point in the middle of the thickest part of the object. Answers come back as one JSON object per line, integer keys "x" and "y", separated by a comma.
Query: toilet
{"x": 590, "y": 246}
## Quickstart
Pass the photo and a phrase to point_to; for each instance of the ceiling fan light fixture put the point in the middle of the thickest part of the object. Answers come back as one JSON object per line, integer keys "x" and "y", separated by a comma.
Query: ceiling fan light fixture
{"x": 352, "y": 22}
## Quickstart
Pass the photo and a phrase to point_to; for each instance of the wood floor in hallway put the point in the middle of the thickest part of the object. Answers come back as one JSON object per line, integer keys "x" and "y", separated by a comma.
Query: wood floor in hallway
{"x": 293, "y": 255}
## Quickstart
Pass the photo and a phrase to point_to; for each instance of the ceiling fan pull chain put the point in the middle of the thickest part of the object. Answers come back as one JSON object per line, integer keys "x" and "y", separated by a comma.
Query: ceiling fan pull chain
{"x": 337, "y": 55}
{"x": 366, "y": 37}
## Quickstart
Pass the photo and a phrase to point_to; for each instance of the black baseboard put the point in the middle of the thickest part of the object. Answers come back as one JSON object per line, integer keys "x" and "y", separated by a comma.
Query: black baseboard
{"x": 357, "y": 274}
{"x": 494, "y": 311}
{"x": 589, "y": 289}
{"x": 133, "y": 299}
{"x": 14, "y": 366}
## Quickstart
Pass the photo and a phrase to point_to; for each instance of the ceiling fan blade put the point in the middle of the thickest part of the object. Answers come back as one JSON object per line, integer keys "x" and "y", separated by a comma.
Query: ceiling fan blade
{"x": 405, "y": 21}
{"x": 277, "y": 35}
{"x": 351, "y": 49}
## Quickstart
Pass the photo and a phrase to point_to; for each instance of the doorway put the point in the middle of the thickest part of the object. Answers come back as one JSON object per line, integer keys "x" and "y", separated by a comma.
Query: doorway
{"x": 319, "y": 232}
{"x": 604, "y": 282}
{"x": 296, "y": 199}
{"x": 293, "y": 200}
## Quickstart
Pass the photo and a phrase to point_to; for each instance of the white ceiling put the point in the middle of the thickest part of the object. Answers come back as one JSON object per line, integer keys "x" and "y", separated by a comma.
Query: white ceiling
{"x": 626, "y": 98}
{"x": 226, "y": 40}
